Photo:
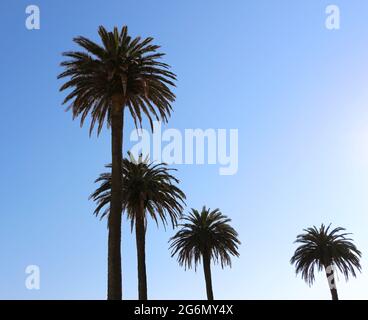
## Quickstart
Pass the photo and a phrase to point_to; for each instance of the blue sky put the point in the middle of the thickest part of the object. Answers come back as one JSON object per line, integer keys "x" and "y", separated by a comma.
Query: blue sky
{"x": 296, "y": 92}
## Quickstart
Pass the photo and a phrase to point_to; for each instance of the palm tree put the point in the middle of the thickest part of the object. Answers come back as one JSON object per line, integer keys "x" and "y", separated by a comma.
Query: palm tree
{"x": 105, "y": 80}
{"x": 206, "y": 235}
{"x": 148, "y": 189}
{"x": 326, "y": 250}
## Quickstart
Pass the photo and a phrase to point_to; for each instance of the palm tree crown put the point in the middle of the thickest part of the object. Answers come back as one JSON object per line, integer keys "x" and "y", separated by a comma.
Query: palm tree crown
{"x": 123, "y": 66}
{"x": 205, "y": 233}
{"x": 142, "y": 181}
{"x": 321, "y": 248}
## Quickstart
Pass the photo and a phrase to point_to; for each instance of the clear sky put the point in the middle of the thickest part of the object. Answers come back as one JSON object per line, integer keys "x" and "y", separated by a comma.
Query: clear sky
{"x": 296, "y": 92}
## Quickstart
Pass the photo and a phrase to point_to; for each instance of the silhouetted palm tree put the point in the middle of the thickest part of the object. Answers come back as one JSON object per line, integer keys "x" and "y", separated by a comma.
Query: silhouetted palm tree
{"x": 206, "y": 235}
{"x": 105, "y": 80}
{"x": 325, "y": 249}
{"x": 148, "y": 189}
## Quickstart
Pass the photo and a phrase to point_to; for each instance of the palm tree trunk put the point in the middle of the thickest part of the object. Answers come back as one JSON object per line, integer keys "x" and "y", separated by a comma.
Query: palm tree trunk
{"x": 140, "y": 234}
{"x": 207, "y": 275}
{"x": 331, "y": 282}
{"x": 114, "y": 285}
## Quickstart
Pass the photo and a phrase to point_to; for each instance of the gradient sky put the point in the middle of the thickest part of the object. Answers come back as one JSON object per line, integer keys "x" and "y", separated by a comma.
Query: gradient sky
{"x": 296, "y": 92}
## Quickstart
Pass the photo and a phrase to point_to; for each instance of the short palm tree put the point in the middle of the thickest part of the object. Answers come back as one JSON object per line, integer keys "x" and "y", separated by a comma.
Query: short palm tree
{"x": 148, "y": 189}
{"x": 206, "y": 236}
{"x": 324, "y": 249}
{"x": 122, "y": 73}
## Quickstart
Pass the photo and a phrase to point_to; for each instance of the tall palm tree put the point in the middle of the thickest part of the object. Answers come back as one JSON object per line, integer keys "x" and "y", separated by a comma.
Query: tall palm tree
{"x": 205, "y": 235}
{"x": 148, "y": 189}
{"x": 122, "y": 73}
{"x": 325, "y": 249}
